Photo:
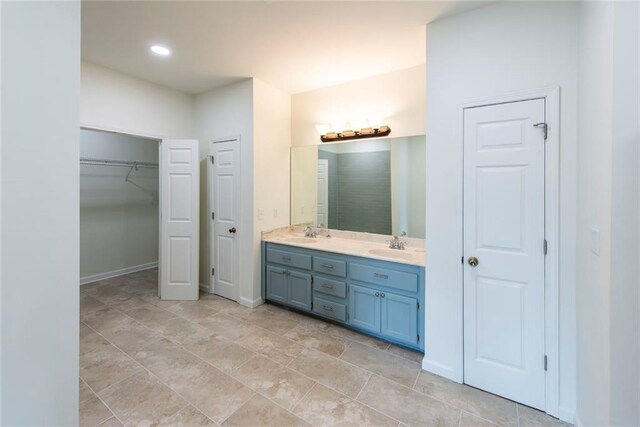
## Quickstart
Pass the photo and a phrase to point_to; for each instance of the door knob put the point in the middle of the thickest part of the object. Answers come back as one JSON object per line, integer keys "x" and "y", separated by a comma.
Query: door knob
{"x": 232, "y": 230}
{"x": 473, "y": 261}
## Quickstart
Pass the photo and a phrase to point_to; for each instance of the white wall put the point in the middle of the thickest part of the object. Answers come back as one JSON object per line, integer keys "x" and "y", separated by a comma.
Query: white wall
{"x": 492, "y": 51}
{"x": 40, "y": 180}
{"x": 260, "y": 115}
{"x": 114, "y": 101}
{"x": 271, "y": 167}
{"x": 224, "y": 112}
{"x": 608, "y": 363}
{"x": 118, "y": 218}
{"x": 399, "y": 97}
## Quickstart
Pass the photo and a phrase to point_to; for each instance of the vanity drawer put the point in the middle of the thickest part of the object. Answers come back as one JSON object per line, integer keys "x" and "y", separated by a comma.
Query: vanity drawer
{"x": 291, "y": 259}
{"x": 385, "y": 277}
{"x": 330, "y": 266}
{"x": 330, "y": 287}
{"x": 330, "y": 309}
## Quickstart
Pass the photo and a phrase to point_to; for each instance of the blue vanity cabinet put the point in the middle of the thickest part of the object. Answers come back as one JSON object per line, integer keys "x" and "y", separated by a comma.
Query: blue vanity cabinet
{"x": 289, "y": 279}
{"x": 398, "y": 317}
{"x": 277, "y": 280}
{"x": 364, "y": 308}
{"x": 380, "y": 298}
{"x": 299, "y": 290}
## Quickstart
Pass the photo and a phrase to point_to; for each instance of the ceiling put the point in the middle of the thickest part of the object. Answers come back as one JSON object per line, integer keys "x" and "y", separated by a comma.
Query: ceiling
{"x": 296, "y": 46}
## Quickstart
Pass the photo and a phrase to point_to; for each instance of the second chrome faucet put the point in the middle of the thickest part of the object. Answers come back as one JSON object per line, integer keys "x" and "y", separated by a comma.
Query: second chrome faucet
{"x": 396, "y": 243}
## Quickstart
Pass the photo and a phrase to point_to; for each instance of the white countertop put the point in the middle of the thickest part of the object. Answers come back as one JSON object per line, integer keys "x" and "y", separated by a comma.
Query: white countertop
{"x": 361, "y": 248}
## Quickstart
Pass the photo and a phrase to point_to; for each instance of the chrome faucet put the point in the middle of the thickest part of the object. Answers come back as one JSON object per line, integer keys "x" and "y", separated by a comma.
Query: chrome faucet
{"x": 396, "y": 243}
{"x": 323, "y": 231}
{"x": 310, "y": 232}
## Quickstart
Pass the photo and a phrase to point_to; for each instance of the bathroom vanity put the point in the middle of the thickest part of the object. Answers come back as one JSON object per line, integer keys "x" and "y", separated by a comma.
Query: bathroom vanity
{"x": 360, "y": 284}
{"x": 361, "y": 193}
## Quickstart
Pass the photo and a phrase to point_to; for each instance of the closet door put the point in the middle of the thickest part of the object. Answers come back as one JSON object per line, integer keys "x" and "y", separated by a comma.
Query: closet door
{"x": 179, "y": 219}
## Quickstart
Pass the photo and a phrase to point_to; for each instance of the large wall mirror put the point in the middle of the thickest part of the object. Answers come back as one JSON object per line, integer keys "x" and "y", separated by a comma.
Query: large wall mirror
{"x": 374, "y": 186}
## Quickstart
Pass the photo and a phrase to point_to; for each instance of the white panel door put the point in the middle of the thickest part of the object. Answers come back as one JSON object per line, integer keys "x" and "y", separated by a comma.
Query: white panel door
{"x": 504, "y": 231}
{"x": 322, "y": 219}
{"x": 179, "y": 219}
{"x": 225, "y": 205}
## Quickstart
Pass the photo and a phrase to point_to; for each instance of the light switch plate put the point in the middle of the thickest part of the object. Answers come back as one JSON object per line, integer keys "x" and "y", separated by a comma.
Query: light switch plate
{"x": 275, "y": 213}
{"x": 260, "y": 214}
{"x": 595, "y": 241}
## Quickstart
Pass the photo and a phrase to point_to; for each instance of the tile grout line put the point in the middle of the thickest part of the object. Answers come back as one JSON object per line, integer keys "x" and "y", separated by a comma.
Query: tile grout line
{"x": 239, "y": 407}
{"x": 150, "y": 373}
{"x": 363, "y": 387}
{"x": 371, "y": 373}
{"x": 350, "y": 342}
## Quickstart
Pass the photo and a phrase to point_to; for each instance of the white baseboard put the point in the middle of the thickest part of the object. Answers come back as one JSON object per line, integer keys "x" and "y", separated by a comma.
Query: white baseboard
{"x": 251, "y": 303}
{"x": 205, "y": 288}
{"x": 115, "y": 273}
{"x": 439, "y": 369}
{"x": 568, "y": 416}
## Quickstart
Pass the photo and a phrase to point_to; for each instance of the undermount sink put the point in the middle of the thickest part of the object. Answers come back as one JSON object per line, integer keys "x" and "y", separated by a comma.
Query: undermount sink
{"x": 391, "y": 253}
{"x": 301, "y": 240}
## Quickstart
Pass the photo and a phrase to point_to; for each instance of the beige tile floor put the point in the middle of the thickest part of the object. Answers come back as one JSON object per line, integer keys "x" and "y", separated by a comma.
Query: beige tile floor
{"x": 147, "y": 362}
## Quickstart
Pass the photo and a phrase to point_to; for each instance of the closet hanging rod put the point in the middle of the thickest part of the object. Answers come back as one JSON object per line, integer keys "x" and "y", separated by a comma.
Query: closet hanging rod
{"x": 112, "y": 162}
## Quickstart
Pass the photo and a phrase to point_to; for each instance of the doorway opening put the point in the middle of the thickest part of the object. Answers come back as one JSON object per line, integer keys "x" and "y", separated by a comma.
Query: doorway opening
{"x": 119, "y": 206}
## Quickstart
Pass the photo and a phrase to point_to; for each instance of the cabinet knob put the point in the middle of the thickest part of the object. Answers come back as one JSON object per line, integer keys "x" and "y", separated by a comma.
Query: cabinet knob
{"x": 382, "y": 295}
{"x": 377, "y": 294}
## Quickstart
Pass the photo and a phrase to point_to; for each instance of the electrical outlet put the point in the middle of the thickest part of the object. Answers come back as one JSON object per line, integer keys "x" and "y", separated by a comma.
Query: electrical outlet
{"x": 275, "y": 213}
{"x": 260, "y": 214}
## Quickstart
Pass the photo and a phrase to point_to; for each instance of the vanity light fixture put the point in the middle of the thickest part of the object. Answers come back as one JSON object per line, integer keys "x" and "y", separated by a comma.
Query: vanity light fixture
{"x": 328, "y": 134}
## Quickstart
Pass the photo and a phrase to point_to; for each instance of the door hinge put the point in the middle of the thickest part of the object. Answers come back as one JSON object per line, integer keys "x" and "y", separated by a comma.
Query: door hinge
{"x": 462, "y": 260}
{"x": 213, "y": 215}
{"x": 212, "y": 160}
{"x": 546, "y": 246}
{"x": 418, "y": 304}
{"x": 418, "y": 337}
{"x": 213, "y": 271}
{"x": 312, "y": 280}
{"x": 544, "y": 127}
{"x": 545, "y": 362}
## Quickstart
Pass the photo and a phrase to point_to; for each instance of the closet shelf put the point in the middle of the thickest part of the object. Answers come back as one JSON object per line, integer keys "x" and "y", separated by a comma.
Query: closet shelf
{"x": 117, "y": 163}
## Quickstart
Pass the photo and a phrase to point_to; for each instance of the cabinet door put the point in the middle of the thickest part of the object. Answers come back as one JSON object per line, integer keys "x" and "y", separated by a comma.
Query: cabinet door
{"x": 276, "y": 284}
{"x": 299, "y": 293}
{"x": 364, "y": 308}
{"x": 399, "y": 317}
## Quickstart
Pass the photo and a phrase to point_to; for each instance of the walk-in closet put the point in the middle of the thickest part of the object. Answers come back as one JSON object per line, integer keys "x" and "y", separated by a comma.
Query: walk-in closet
{"x": 118, "y": 204}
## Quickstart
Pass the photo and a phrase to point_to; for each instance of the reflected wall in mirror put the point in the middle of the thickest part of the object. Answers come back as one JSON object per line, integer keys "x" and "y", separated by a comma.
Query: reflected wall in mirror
{"x": 375, "y": 186}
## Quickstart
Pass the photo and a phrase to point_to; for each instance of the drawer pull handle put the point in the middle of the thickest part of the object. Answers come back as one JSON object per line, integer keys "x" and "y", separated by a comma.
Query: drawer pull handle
{"x": 377, "y": 294}
{"x": 324, "y": 285}
{"x": 329, "y": 266}
{"x": 286, "y": 258}
{"x": 327, "y": 308}
{"x": 381, "y": 276}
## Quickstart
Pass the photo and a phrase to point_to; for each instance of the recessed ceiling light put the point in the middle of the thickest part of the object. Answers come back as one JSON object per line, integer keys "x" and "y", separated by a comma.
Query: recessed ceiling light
{"x": 160, "y": 50}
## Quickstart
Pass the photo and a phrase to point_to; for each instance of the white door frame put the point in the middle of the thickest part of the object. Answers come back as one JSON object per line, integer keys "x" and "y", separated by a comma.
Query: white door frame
{"x": 551, "y": 227}
{"x": 326, "y": 196}
{"x": 211, "y": 233}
